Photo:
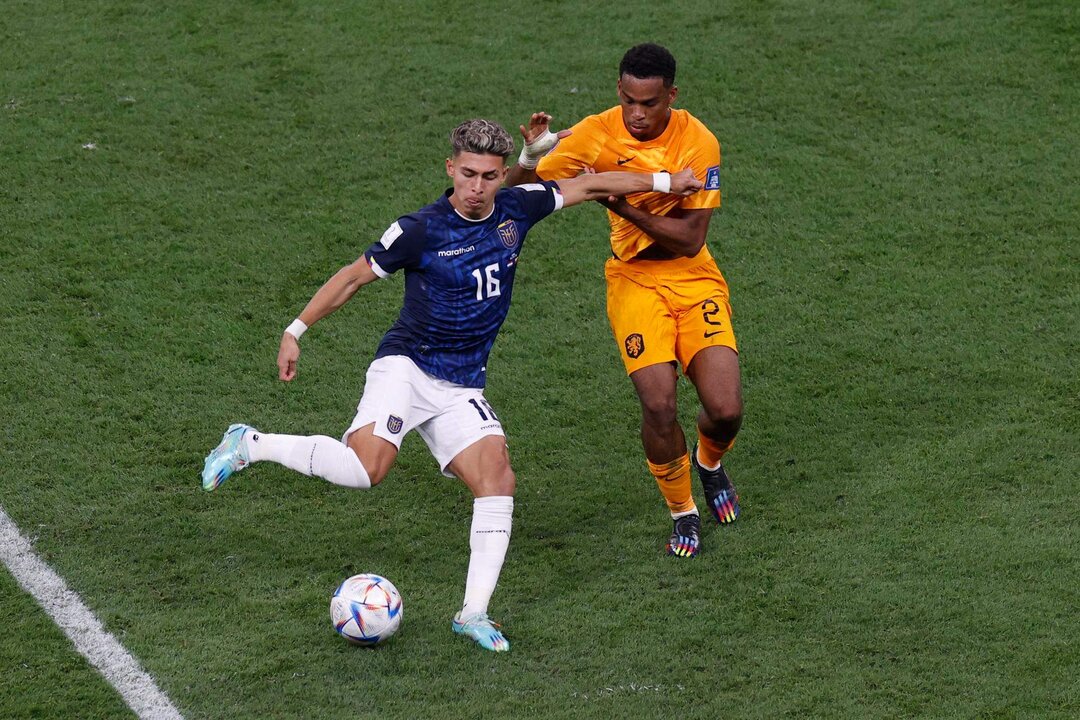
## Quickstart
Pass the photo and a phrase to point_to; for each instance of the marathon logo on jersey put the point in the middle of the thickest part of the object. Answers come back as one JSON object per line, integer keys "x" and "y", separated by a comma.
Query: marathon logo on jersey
{"x": 394, "y": 423}
{"x": 635, "y": 345}
{"x": 712, "y": 178}
{"x": 456, "y": 251}
{"x": 508, "y": 233}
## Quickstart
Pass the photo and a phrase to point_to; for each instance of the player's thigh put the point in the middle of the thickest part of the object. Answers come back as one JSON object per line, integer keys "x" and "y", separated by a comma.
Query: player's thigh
{"x": 392, "y": 404}
{"x": 484, "y": 467}
{"x": 704, "y": 318}
{"x": 716, "y": 376}
{"x": 465, "y": 418}
{"x": 642, "y": 322}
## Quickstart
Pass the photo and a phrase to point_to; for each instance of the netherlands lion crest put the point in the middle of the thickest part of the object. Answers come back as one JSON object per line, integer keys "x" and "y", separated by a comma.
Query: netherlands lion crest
{"x": 394, "y": 423}
{"x": 635, "y": 345}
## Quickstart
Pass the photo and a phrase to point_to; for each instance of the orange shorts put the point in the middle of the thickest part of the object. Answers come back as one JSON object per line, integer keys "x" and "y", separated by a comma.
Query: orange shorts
{"x": 667, "y": 310}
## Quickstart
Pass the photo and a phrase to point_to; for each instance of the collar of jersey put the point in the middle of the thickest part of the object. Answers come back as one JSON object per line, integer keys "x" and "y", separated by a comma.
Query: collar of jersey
{"x": 478, "y": 220}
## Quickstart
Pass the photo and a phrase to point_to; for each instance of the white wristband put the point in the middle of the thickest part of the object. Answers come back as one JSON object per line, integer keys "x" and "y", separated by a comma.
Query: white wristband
{"x": 661, "y": 182}
{"x": 538, "y": 148}
{"x": 296, "y": 328}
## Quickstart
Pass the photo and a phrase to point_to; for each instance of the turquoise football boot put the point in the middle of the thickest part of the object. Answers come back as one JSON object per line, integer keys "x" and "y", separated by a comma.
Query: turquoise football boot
{"x": 481, "y": 629}
{"x": 227, "y": 458}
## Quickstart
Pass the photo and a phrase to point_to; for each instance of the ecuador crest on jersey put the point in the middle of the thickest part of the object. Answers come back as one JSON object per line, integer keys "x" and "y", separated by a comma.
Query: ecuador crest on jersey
{"x": 508, "y": 233}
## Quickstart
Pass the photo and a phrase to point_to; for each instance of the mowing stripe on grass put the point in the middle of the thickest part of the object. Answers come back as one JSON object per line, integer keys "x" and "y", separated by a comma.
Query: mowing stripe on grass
{"x": 68, "y": 611}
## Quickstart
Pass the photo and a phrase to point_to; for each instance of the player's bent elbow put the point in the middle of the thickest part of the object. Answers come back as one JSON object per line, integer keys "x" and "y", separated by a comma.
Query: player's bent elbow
{"x": 692, "y": 247}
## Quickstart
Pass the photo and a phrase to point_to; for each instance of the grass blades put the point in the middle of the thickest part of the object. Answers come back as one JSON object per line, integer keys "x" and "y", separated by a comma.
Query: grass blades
{"x": 899, "y": 228}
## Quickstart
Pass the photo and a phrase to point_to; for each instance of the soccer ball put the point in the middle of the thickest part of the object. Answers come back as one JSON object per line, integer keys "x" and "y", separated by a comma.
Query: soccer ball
{"x": 366, "y": 609}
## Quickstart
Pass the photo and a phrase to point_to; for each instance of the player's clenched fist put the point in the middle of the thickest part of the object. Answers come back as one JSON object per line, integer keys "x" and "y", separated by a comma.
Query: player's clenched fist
{"x": 684, "y": 183}
{"x": 288, "y": 354}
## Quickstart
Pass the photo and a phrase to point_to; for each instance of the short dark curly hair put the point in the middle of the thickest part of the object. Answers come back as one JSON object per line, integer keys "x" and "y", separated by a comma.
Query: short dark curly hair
{"x": 649, "y": 60}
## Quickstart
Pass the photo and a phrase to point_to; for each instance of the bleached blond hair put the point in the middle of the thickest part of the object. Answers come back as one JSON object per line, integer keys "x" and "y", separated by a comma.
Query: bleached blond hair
{"x": 482, "y": 137}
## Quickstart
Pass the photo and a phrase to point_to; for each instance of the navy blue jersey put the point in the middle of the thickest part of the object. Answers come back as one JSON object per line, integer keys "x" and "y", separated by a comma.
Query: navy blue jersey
{"x": 459, "y": 274}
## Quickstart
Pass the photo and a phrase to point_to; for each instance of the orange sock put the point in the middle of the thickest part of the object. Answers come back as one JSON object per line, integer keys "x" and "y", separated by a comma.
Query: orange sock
{"x": 710, "y": 452}
{"x": 673, "y": 479}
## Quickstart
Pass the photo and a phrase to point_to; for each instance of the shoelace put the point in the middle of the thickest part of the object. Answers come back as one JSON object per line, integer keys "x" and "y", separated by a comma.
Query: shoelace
{"x": 480, "y": 620}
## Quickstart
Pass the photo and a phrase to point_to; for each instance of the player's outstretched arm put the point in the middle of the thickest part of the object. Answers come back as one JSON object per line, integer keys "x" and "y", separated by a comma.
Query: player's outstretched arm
{"x": 600, "y": 186}
{"x": 539, "y": 140}
{"x": 334, "y": 293}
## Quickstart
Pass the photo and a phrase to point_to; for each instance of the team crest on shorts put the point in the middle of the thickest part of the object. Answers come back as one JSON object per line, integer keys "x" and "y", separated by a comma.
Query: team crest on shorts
{"x": 635, "y": 345}
{"x": 394, "y": 423}
{"x": 508, "y": 233}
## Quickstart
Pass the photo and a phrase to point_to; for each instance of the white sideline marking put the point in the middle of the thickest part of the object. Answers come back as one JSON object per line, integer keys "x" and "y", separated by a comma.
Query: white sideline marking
{"x": 68, "y": 611}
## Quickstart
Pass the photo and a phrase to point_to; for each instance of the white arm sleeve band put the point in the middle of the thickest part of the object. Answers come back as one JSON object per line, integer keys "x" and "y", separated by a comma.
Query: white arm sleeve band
{"x": 296, "y": 328}
{"x": 558, "y": 200}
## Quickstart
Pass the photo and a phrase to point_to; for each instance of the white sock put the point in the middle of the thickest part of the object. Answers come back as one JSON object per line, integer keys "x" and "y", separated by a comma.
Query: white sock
{"x": 316, "y": 455}
{"x": 489, "y": 539}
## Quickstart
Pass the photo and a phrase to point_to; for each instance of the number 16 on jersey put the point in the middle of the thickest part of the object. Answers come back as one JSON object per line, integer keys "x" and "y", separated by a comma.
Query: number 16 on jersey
{"x": 487, "y": 281}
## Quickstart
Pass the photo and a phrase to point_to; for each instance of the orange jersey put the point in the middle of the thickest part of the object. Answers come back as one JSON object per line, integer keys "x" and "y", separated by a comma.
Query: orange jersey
{"x": 602, "y": 142}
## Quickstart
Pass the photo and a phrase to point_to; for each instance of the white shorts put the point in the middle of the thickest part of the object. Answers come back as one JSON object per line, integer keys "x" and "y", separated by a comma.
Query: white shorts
{"x": 398, "y": 397}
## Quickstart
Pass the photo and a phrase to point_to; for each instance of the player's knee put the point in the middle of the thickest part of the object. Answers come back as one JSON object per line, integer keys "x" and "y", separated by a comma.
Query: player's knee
{"x": 659, "y": 411}
{"x": 375, "y": 455}
{"x": 374, "y": 469}
{"x": 500, "y": 482}
{"x": 367, "y": 472}
{"x": 725, "y": 414}
{"x": 508, "y": 483}
{"x": 506, "y": 480}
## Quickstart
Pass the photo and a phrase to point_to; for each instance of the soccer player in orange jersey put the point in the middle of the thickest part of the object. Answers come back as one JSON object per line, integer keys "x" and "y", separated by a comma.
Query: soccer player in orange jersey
{"x": 667, "y": 301}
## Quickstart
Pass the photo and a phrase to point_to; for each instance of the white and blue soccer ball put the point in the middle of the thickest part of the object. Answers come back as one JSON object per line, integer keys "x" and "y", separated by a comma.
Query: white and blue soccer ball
{"x": 366, "y": 609}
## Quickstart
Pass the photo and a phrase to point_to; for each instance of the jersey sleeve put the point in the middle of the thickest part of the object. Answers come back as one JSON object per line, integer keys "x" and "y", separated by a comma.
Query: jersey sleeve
{"x": 538, "y": 200}
{"x": 399, "y": 247}
{"x": 573, "y": 153}
{"x": 704, "y": 158}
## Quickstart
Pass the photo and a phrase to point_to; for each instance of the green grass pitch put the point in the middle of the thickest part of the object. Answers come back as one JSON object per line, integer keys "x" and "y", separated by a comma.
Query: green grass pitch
{"x": 900, "y": 231}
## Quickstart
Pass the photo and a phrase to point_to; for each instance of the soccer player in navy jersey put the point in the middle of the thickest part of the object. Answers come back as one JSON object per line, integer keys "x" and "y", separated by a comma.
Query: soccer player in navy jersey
{"x": 460, "y": 256}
